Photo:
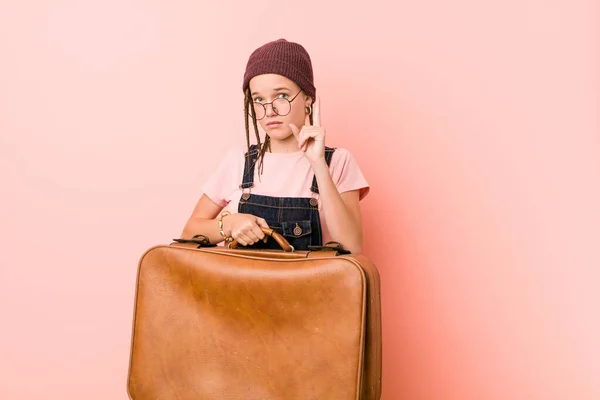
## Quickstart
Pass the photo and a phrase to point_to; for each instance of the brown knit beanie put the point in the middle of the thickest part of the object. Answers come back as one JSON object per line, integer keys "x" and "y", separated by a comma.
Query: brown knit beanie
{"x": 283, "y": 58}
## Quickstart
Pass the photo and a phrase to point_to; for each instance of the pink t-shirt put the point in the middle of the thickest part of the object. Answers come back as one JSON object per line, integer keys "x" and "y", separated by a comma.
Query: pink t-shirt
{"x": 284, "y": 175}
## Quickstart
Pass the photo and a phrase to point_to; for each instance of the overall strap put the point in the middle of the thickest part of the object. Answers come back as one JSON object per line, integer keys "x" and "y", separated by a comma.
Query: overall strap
{"x": 328, "y": 155}
{"x": 249, "y": 164}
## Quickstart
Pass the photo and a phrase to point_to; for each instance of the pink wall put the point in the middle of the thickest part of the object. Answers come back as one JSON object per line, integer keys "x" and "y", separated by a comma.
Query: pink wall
{"x": 476, "y": 124}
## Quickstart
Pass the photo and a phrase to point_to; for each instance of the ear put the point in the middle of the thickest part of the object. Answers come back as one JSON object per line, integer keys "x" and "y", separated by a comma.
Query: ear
{"x": 307, "y": 100}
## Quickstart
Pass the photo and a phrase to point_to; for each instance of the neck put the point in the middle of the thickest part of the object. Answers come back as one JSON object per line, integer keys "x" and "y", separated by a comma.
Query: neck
{"x": 288, "y": 145}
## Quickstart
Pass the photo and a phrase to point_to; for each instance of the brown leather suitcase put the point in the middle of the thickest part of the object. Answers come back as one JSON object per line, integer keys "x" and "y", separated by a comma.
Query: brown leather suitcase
{"x": 229, "y": 324}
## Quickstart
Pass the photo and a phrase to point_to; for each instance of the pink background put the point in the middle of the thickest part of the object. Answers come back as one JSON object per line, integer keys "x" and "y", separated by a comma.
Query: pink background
{"x": 475, "y": 122}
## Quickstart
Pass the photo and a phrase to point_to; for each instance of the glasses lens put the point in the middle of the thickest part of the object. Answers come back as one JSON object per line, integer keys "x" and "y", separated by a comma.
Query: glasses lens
{"x": 259, "y": 109}
{"x": 282, "y": 106}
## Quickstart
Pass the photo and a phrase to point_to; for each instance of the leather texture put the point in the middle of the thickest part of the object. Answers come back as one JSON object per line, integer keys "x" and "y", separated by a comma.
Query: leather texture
{"x": 216, "y": 323}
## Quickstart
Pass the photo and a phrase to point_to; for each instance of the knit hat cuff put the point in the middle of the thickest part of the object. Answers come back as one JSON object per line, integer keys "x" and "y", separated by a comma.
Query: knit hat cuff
{"x": 281, "y": 67}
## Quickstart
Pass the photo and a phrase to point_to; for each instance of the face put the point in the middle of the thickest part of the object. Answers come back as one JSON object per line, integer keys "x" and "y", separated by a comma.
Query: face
{"x": 269, "y": 88}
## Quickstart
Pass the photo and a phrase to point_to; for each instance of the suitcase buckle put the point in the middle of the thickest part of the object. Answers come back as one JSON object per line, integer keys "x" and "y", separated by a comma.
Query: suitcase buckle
{"x": 200, "y": 240}
{"x": 331, "y": 246}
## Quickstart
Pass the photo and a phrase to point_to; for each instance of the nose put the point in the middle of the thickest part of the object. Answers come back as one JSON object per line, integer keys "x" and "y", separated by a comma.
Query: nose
{"x": 270, "y": 110}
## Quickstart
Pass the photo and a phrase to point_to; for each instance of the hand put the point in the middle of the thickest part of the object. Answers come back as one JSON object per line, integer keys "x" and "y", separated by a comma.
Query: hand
{"x": 245, "y": 228}
{"x": 311, "y": 138}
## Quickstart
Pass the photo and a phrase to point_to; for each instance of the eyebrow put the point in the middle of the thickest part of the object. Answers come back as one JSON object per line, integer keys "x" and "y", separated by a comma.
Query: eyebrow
{"x": 277, "y": 89}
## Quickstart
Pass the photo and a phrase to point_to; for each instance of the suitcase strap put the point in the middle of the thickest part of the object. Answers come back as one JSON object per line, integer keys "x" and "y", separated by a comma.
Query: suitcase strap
{"x": 330, "y": 246}
{"x": 200, "y": 240}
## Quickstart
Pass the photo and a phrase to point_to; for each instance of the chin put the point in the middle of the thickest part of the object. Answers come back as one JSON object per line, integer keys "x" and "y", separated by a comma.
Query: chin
{"x": 280, "y": 138}
{"x": 279, "y": 134}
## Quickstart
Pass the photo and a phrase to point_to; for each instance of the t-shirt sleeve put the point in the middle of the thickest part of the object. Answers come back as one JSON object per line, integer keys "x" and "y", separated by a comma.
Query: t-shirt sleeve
{"x": 223, "y": 183}
{"x": 346, "y": 174}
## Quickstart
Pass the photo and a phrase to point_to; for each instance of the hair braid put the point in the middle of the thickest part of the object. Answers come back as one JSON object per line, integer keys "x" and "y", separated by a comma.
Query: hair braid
{"x": 249, "y": 113}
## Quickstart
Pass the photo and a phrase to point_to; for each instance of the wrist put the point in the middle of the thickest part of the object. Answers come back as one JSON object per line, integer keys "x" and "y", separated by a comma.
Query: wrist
{"x": 319, "y": 162}
{"x": 222, "y": 229}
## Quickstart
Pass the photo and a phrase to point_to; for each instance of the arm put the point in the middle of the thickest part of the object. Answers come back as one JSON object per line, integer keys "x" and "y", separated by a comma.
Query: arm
{"x": 204, "y": 220}
{"x": 245, "y": 228}
{"x": 342, "y": 211}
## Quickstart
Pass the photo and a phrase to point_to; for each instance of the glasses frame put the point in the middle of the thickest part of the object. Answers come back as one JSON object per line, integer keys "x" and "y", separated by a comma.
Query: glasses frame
{"x": 253, "y": 113}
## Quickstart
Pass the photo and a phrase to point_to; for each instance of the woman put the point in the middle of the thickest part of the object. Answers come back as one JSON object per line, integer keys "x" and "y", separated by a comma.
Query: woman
{"x": 291, "y": 182}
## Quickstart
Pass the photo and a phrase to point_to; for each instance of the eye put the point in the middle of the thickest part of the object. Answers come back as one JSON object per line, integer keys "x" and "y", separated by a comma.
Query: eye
{"x": 283, "y": 96}
{"x": 258, "y": 100}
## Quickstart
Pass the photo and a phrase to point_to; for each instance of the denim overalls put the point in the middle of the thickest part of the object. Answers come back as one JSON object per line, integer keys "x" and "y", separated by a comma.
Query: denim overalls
{"x": 296, "y": 218}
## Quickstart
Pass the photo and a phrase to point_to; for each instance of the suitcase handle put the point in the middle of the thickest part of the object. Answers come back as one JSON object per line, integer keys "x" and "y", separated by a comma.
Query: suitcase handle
{"x": 285, "y": 245}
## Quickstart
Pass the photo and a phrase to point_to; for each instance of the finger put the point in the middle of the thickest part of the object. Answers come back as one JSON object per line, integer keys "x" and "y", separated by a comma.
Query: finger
{"x": 317, "y": 112}
{"x": 262, "y": 223}
{"x": 311, "y": 134}
{"x": 301, "y": 139}
{"x": 251, "y": 234}
{"x": 241, "y": 241}
{"x": 257, "y": 229}
{"x": 295, "y": 130}
{"x": 306, "y": 140}
{"x": 260, "y": 235}
{"x": 244, "y": 239}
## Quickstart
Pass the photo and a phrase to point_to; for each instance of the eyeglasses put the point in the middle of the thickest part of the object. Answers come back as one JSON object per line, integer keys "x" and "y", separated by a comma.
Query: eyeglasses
{"x": 281, "y": 107}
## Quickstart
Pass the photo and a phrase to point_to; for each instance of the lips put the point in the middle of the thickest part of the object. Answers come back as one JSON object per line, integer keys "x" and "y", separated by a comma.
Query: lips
{"x": 273, "y": 124}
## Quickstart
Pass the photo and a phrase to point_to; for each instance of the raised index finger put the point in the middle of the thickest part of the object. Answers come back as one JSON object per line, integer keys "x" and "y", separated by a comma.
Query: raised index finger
{"x": 317, "y": 112}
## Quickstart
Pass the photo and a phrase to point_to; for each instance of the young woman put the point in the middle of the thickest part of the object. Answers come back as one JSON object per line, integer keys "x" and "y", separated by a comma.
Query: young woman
{"x": 290, "y": 182}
